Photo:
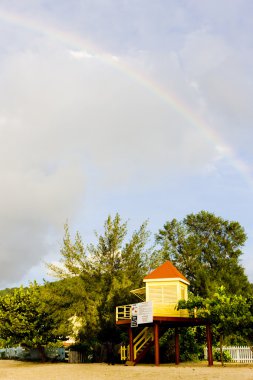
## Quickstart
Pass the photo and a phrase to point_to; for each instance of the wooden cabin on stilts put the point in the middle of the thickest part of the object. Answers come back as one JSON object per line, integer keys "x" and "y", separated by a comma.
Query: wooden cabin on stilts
{"x": 164, "y": 287}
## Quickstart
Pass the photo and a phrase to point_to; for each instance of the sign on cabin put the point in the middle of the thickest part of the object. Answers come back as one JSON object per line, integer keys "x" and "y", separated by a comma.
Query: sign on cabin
{"x": 141, "y": 313}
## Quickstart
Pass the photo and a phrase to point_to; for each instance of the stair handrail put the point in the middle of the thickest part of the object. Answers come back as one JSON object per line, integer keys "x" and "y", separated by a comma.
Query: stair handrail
{"x": 145, "y": 336}
{"x": 142, "y": 332}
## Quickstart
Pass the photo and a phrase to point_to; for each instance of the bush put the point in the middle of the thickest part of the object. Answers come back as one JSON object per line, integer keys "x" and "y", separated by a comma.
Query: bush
{"x": 225, "y": 354}
{"x": 191, "y": 345}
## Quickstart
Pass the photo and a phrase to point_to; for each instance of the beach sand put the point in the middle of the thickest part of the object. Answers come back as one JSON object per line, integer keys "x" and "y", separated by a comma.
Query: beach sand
{"x": 15, "y": 370}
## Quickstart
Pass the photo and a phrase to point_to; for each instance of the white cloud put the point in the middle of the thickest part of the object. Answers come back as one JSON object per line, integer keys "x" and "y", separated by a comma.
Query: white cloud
{"x": 80, "y": 54}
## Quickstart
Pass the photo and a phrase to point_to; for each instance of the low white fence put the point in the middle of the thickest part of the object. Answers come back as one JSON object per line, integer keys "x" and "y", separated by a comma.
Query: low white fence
{"x": 238, "y": 354}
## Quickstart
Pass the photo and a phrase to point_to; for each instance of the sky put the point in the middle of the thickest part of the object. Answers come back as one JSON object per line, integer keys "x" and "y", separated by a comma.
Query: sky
{"x": 132, "y": 106}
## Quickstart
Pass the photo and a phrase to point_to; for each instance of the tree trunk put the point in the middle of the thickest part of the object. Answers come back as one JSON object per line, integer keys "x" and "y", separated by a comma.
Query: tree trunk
{"x": 42, "y": 353}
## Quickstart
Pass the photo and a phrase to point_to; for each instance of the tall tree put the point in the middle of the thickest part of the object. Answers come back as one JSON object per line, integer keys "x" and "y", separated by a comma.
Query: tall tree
{"x": 118, "y": 266}
{"x": 76, "y": 294}
{"x": 106, "y": 270}
{"x": 207, "y": 249}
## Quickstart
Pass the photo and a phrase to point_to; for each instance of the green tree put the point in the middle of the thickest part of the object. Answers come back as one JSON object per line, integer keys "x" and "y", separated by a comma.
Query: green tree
{"x": 228, "y": 314}
{"x": 76, "y": 294}
{"x": 24, "y": 319}
{"x": 207, "y": 250}
{"x": 106, "y": 271}
{"x": 118, "y": 266}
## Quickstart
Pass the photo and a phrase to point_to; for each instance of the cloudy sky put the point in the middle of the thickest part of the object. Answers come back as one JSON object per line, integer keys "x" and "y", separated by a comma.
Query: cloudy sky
{"x": 133, "y": 106}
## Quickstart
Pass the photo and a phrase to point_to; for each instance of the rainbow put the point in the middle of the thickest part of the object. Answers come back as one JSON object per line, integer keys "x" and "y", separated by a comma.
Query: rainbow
{"x": 76, "y": 42}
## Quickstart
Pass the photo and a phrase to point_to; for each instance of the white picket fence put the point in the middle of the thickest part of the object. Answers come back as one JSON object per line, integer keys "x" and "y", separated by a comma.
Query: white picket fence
{"x": 239, "y": 354}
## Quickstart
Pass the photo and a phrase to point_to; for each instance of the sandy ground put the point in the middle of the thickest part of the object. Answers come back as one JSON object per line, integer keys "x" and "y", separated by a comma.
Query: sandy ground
{"x": 14, "y": 370}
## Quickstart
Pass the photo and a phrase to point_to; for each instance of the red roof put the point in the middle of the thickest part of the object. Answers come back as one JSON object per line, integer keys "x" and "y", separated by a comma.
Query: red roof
{"x": 166, "y": 270}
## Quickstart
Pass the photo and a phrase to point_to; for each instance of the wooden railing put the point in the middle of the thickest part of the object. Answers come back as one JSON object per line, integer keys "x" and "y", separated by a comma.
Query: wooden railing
{"x": 163, "y": 310}
{"x": 123, "y": 312}
{"x": 124, "y": 352}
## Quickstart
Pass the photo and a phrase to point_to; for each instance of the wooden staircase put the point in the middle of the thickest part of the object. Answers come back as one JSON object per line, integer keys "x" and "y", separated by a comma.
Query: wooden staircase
{"x": 142, "y": 343}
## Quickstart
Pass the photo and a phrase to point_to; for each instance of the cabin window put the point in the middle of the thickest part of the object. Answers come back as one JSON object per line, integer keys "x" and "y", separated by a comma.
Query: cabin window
{"x": 163, "y": 294}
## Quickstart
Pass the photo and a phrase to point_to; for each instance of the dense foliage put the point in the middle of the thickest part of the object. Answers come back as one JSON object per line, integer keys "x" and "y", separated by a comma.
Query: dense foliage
{"x": 24, "y": 318}
{"x": 229, "y": 315}
{"x": 207, "y": 250}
